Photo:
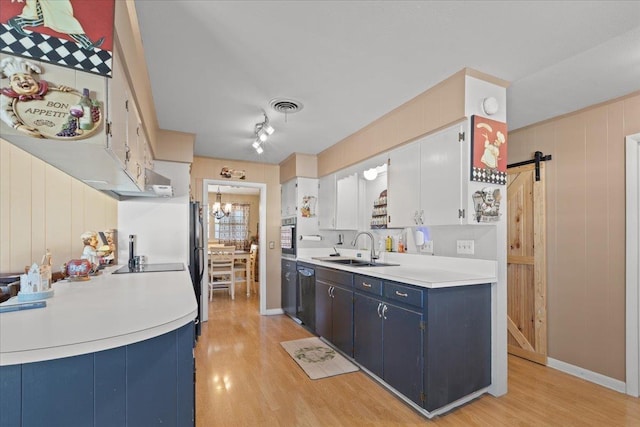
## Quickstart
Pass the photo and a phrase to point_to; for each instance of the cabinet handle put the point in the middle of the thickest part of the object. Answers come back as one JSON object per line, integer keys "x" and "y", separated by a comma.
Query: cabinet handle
{"x": 108, "y": 129}
{"x": 401, "y": 294}
{"x": 127, "y": 154}
{"x": 384, "y": 312}
{"x": 379, "y": 307}
{"x": 366, "y": 285}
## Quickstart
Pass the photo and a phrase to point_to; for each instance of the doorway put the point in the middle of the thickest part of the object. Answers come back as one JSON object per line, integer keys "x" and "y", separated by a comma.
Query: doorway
{"x": 210, "y": 185}
{"x": 632, "y": 265}
{"x": 526, "y": 263}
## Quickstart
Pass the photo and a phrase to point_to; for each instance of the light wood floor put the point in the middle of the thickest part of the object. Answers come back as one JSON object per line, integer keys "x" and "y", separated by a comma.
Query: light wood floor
{"x": 245, "y": 378}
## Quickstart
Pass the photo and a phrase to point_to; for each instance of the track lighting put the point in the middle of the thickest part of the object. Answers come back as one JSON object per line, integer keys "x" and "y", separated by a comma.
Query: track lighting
{"x": 262, "y": 130}
{"x": 267, "y": 127}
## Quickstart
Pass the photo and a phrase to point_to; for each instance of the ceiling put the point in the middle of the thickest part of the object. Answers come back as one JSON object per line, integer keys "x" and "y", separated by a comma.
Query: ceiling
{"x": 215, "y": 65}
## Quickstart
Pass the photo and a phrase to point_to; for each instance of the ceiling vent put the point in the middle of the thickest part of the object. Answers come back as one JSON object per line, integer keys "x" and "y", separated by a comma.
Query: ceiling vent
{"x": 285, "y": 106}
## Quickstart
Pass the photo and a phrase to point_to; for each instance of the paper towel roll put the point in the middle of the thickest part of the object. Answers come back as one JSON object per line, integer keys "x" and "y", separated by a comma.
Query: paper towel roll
{"x": 313, "y": 237}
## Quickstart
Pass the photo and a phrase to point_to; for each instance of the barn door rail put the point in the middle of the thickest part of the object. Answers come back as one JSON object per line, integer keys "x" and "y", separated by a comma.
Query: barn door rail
{"x": 537, "y": 158}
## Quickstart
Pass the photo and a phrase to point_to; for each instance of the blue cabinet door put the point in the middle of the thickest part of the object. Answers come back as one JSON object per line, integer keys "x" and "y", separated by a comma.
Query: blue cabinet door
{"x": 58, "y": 392}
{"x": 323, "y": 310}
{"x": 367, "y": 333}
{"x": 402, "y": 339}
{"x": 147, "y": 383}
{"x": 288, "y": 287}
{"x": 342, "y": 319}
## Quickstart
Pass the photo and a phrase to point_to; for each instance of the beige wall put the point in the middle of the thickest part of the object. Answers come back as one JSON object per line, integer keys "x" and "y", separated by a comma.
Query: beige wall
{"x": 43, "y": 208}
{"x": 254, "y": 209}
{"x": 585, "y": 230}
{"x": 269, "y": 174}
{"x": 298, "y": 165}
{"x": 435, "y": 108}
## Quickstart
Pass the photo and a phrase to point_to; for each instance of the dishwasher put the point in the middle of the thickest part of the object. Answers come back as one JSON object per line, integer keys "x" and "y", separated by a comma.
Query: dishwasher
{"x": 307, "y": 291}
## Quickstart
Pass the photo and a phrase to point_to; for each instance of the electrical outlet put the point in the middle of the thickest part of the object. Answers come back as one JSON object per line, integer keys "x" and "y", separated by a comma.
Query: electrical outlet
{"x": 427, "y": 247}
{"x": 465, "y": 247}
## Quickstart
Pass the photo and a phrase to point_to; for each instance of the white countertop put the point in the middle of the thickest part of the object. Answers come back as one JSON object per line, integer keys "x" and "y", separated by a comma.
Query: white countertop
{"x": 108, "y": 311}
{"x": 420, "y": 270}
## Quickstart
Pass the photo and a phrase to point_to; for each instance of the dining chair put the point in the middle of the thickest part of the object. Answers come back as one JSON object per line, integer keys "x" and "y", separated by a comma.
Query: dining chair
{"x": 240, "y": 273}
{"x": 221, "y": 275}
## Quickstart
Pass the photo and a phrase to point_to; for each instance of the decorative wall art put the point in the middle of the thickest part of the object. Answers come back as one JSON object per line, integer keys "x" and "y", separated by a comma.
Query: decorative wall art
{"x": 488, "y": 150}
{"x": 72, "y": 33}
{"x": 233, "y": 173}
{"x": 487, "y": 204}
{"x": 308, "y": 208}
{"x": 42, "y": 109}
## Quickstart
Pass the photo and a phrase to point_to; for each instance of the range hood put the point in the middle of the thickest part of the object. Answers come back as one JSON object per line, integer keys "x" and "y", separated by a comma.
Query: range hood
{"x": 155, "y": 185}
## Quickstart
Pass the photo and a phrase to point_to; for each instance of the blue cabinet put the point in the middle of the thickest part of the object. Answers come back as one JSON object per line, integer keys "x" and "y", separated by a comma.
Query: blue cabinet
{"x": 431, "y": 345}
{"x": 143, "y": 384}
{"x": 457, "y": 346}
{"x": 367, "y": 333}
{"x": 334, "y": 308}
{"x": 289, "y": 288}
{"x": 388, "y": 338}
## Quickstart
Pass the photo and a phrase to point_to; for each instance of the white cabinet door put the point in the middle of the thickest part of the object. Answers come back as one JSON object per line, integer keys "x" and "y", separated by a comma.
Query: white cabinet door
{"x": 327, "y": 203}
{"x": 306, "y": 202}
{"x": 288, "y": 199}
{"x": 134, "y": 127}
{"x": 442, "y": 177}
{"x": 403, "y": 192}
{"x": 347, "y": 203}
{"x": 117, "y": 111}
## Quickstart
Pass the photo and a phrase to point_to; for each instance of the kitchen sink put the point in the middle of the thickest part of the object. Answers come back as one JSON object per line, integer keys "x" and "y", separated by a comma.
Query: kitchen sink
{"x": 359, "y": 263}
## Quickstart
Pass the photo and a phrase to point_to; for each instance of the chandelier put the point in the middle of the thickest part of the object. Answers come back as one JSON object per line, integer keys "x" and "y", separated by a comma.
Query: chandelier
{"x": 217, "y": 211}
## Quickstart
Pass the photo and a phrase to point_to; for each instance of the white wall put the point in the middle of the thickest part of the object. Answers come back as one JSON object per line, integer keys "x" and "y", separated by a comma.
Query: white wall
{"x": 161, "y": 225}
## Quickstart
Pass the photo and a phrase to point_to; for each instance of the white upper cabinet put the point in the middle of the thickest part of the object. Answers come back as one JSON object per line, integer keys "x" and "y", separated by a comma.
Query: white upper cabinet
{"x": 427, "y": 180}
{"x": 288, "y": 198}
{"x": 403, "y": 181}
{"x": 327, "y": 202}
{"x": 443, "y": 176}
{"x": 117, "y": 111}
{"x": 347, "y": 203}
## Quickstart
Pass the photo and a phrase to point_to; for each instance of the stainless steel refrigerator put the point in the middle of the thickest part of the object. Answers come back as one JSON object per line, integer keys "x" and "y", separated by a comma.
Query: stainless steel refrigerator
{"x": 196, "y": 256}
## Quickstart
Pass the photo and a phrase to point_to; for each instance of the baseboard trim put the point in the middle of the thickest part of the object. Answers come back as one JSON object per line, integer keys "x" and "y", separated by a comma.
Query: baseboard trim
{"x": 273, "y": 311}
{"x": 585, "y": 374}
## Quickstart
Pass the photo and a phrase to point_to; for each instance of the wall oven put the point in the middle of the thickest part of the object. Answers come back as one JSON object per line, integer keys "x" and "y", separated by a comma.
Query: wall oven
{"x": 288, "y": 236}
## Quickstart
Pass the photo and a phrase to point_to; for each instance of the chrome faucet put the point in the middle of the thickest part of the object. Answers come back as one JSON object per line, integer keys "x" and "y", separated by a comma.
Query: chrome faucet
{"x": 374, "y": 257}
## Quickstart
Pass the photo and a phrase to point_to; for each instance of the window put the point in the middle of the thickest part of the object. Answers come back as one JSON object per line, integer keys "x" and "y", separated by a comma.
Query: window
{"x": 233, "y": 229}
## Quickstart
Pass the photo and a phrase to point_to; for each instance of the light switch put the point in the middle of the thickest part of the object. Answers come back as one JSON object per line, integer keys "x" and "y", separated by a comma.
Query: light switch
{"x": 465, "y": 247}
{"x": 272, "y": 244}
{"x": 427, "y": 246}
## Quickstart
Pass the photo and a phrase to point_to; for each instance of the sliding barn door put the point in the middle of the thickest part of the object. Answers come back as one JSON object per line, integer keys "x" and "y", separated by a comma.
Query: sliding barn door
{"x": 526, "y": 264}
